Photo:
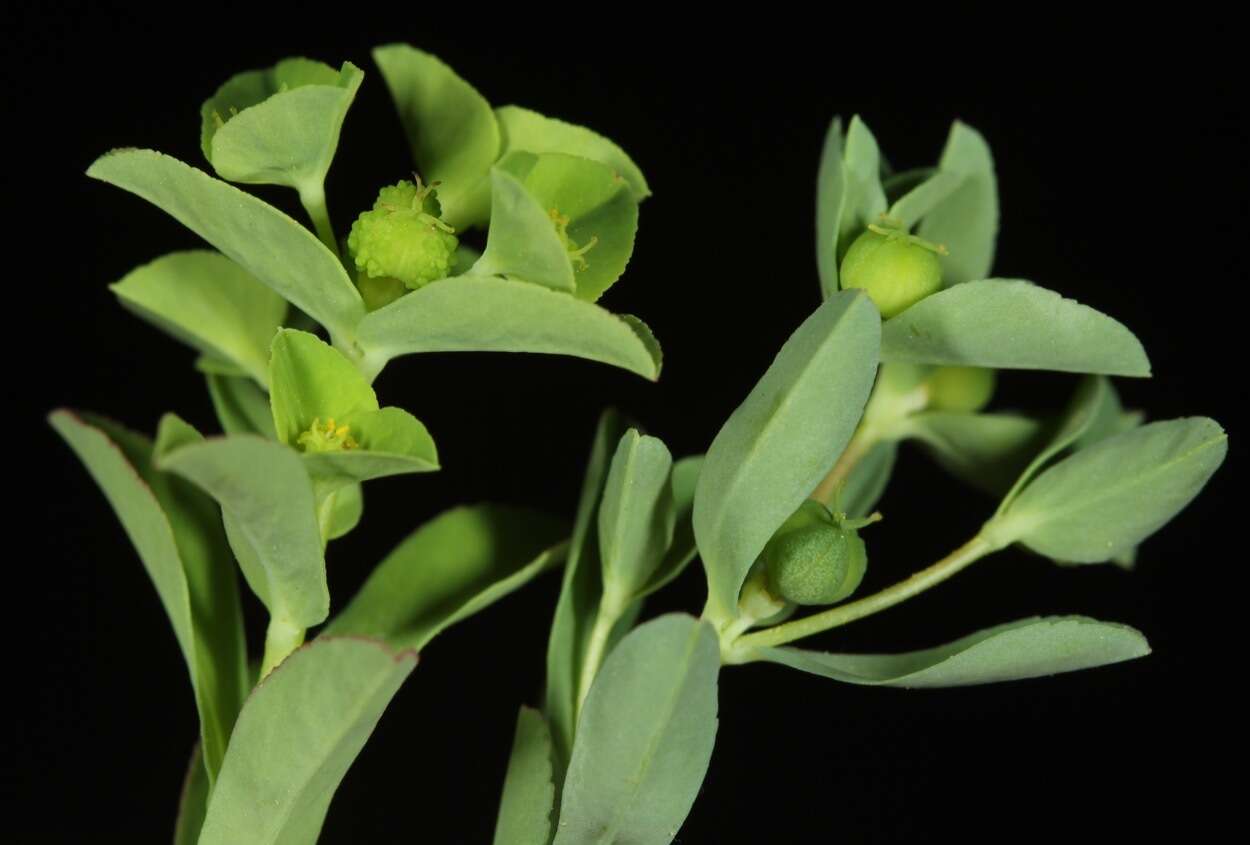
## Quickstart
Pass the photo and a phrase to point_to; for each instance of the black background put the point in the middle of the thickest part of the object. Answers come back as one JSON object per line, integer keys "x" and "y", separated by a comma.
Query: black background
{"x": 1121, "y": 163}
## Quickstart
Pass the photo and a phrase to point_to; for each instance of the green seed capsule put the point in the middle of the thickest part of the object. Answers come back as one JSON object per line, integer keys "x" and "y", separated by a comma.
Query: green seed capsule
{"x": 402, "y": 237}
{"x": 965, "y": 389}
{"x": 816, "y": 557}
{"x": 895, "y": 269}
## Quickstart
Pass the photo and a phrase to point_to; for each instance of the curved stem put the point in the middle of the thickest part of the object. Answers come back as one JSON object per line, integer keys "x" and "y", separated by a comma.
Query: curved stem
{"x": 313, "y": 198}
{"x": 973, "y": 550}
{"x": 863, "y": 440}
{"x": 596, "y": 648}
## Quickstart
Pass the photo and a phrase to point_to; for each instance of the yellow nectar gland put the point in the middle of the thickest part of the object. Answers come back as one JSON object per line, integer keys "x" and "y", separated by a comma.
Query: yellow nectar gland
{"x": 326, "y": 438}
{"x": 576, "y": 253}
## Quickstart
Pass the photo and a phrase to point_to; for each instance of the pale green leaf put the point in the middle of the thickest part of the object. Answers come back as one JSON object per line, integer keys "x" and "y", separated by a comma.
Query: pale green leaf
{"x": 448, "y": 569}
{"x": 1029, "y": 648}
{"x": 1011, "y": 324}
{"x": 281, "y": 125}
{"x": 489, "y": 314}
{"x": 528, "y": 791}
{"x": 193, "y": 801}
{"x": 177, "y": 534}
{"x": 450, "y": 126}
{"x": 1099, "y": 502}
{"x": 530, "y": 131}
{"x": 988, "y": 451}
{"x": 780, "y": 442}
{"x": 580, "y": 592}
{"x": 966, "y": 221}
{"x": 637, "y": 516}
{"x": 241, "y": 406}
{"x": 267, "y": 501}
{"x": 346, "y": 507}
{"x": 271, "y": 246}
{"x": 207, "y": 301}
{"x": 924, "y": 197}
{"x": 522, "y": 242}
{"x": 644, "y": 738}
{"x": 682, "y": 549}
{"x": 867, "y": 481}
{"x": 602, "y": 214}
{"x": 849, "y": 195}
{"x": 298, "y": 734}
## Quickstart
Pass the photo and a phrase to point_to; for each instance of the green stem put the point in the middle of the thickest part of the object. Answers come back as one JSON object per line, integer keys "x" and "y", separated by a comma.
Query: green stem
{"x": 313, "y": 198}
{"x": 971, "y": 551}
{"x": 596, "y": 648}
{"x": 281, "y": 638}
{"x": 865, "y": 438}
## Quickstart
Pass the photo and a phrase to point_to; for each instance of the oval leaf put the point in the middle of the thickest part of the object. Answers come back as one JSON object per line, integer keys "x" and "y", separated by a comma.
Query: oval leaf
{"x": 644, "y": 738}
{"x": 281, "y": 125}
{"x": 528, "y": 791}
{"x": 522, "y": 242}
{"x": 264, "y": 241}
{"x": 298, "y": 734}
{"x": 636, "y": 517}
{"x": 987, "y": 451}
{"x": 849, "y": 195}
{"x": 1011, "y": 324}
{"x": 241, "y": 406}
{"x": 488, "y": 314}
{"x": 530, "y": 131}
{"x": 448, "y": 569}
{"x": 1101, "y": 501}
{"x": 267, "y": 500}
{"x": 773, "y": 450}
{"x": 602, "y": 215}
{"x": 966, "y": 221}
{"x": 1029, "y": 648}
{"x": 867, "y": 481}
{"x": 451, "y": 127}
{"x": 206, "y": 300}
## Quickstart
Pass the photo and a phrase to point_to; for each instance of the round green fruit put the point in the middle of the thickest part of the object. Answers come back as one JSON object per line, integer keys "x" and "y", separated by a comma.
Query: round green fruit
{"x": 814, "y": 558}
{"x": 964, "y": 389}
{"x": 895, "y": 269}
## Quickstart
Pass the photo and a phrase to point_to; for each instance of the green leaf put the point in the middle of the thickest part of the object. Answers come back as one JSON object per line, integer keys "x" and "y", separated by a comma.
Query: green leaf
{"x": 868, "y": 480}
{"x": 602, "y": 214}
{"x": 270, "y": 515}
{"x": 241, "y": 406}
{"x": 299, "y": 732}
{"x": 1101, "y": 501}
{"x": 450, "y": 568}
{"x": 578, "y": 605}
{"x": 987, "y": 451}
{"x": 966, "y": 221}
{"x": 346, "y": 507}
{"x": 528, "y": 791}
{"x": 207, "y": 301}
{"x": 849, "y": 195}
{"x": 1011, "y": 324}
{"x": 193, "y": 801}
{"x": 178, "y": 536}
{"x": 682, "y": 549}
{"x": 779, "y": 443}
{"x": 645, "y": 737}
{"x": 636, "y": 517}
{"x": 1028, "y": 648}
{"x": 522, "y": 242}
{"x": 1094, "y": 400}
{"x": 451, "y": 127}
{"x": 279, "y": 126}
{"x": 311, "y": 384}
{"x": 530, "y": 131}
{"x": 924, "y": 197}
{"x": 487, "y": 314}
{"x": 271, "y": 246}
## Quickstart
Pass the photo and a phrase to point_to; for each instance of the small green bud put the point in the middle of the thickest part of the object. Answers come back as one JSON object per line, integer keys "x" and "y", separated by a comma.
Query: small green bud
{"x": 895, "y": 269}
{"x": 402, "y": 237}
{"x": 816, "y": 557}
{"x": 966, "y": 389}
